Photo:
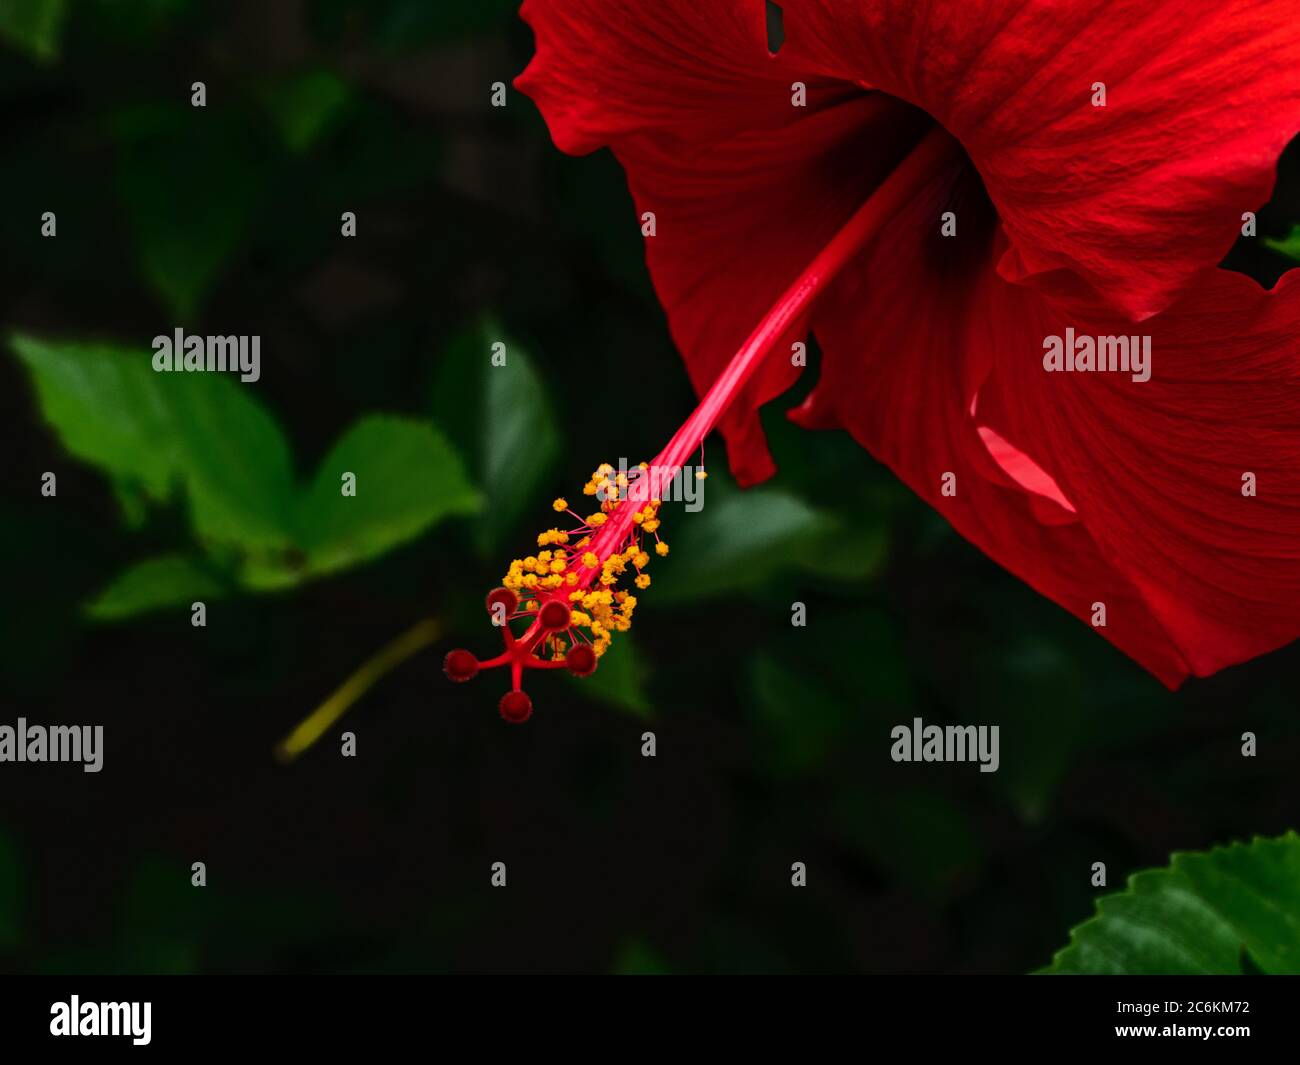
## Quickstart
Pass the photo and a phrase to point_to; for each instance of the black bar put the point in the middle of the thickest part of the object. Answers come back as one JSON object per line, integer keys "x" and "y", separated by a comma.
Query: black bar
{"x": 354, "y": 1013}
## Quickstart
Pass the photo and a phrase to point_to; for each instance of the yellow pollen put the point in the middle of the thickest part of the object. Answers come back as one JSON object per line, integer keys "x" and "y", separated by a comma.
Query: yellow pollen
{"x": 603, "y": 608}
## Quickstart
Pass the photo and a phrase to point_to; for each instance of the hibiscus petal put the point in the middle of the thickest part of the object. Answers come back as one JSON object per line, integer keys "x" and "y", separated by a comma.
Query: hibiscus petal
{"x": 1160, "y": 470}
{"x": 745, "y": 188}
{"x": 732, "y": 235}
{"x": 932, "y": 359}
{"x": 1089, "y": 486}
{"x": 1134, "y": 197}
{"x": 911, "y": 337}
{"x": 685, "y": 70}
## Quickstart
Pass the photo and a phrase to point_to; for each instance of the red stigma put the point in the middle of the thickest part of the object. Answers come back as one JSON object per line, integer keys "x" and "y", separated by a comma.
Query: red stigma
{"x": 460, "y": 665}
{"x": 516, "y": 707}
{"x": 505, "y": 597}
{"x": 581, "y": 660}
{"x": 554, "y": 616}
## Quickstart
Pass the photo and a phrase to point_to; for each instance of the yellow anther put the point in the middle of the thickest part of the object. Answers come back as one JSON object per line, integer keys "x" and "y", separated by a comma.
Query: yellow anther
{"x": 605, "y": 608}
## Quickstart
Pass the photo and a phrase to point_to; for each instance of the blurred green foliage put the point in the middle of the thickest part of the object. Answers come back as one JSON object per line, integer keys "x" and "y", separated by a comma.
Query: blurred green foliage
{"x": 1288, "y": 245}
{"x": 472, "y": 230}
{"x": 151, "y": 432}
{"x": 500, "y": 415}
{"x": 33, "y": 25}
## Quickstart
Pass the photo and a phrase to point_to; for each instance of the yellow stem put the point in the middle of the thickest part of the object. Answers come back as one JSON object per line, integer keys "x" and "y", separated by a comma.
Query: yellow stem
{"x": 313, "y": 726}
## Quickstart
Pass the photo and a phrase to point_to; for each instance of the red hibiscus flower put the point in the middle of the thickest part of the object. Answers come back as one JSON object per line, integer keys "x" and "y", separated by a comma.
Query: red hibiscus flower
{"x": 1001, "y": 221}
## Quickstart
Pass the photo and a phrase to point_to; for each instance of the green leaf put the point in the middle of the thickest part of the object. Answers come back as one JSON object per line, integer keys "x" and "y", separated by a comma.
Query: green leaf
{"x": 502, "y": 417}
{"x": 191, "y": 188}
{"x": 153, "y": 430}
{"x": 852, "y": 550}
{"x": 408, "y": 477}
{"x": 734, "y": 542}
{"x": 1288, "y": 245}
{"x": 33, "y": 25}
{"x": 798, "y": 720}
{"x": 155, "y": 584}
{"x": 111, "y": 409}
{"x": 104, "y": 406}
{"x": 305, "y": 106}
{"x": 1199, "y": 915}
{"x": 619, "y": 680}
{"x": 234, "y": 458}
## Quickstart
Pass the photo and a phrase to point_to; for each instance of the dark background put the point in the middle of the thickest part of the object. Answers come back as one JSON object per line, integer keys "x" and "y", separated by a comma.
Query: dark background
{"x": 773, "y": 742}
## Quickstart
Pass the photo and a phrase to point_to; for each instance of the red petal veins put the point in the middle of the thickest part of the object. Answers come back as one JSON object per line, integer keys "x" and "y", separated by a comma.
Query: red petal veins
{"x": 1134, "y": 198}
{"x": 1156, "y": 469}
{"x": 1090, "y": 487}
